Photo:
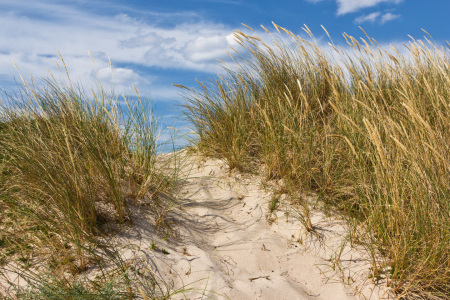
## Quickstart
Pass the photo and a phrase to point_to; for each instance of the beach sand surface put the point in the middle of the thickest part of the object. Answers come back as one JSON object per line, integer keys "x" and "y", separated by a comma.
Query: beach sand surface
{"x": 228, "y": 245}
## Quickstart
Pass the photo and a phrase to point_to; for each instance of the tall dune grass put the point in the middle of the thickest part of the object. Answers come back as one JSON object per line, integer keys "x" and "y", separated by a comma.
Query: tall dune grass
{"x": 366, "y": 127}
{"x": 71, "y": 162}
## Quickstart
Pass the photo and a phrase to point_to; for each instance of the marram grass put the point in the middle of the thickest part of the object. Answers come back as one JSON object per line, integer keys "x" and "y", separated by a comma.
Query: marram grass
{"x": 71, "y": 162}
{"x": 365, "y": 127}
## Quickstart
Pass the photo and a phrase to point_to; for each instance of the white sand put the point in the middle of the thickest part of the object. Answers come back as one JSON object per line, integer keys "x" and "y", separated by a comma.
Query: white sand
{"x": 227, "y": 249}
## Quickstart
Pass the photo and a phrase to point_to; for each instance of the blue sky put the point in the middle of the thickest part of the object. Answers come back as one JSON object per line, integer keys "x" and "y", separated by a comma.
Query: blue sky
{"x": 153, "y": 44}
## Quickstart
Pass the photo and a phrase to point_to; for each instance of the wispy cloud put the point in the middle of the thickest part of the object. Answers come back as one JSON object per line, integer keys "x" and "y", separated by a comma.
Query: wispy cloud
{"x": 388, "y": 17}
{"x": 376, "y": 17}
{"x": 367, "y": 18}
{"x": 349, "y": 6}
{"x": 33, "y": 31}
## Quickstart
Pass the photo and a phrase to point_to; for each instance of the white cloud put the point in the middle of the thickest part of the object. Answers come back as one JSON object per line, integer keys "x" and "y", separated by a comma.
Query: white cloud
{"x": 119, "y": 76}
{"x": 388, "y": 17}
{"x": 375, "y": 17}
{"x": 33, "y": 31}
{"x": 314, "y": 1}
{"x": 148, "y": 39}
{"x": 206, "y": 48}
{"x": 367, "y": 18}
{"x": 349, "y": 6}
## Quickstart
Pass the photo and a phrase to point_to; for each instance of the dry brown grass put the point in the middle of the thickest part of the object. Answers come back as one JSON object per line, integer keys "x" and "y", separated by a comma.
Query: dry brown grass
{"x": 70, "y": 163}
{"x": 367, "y": 129}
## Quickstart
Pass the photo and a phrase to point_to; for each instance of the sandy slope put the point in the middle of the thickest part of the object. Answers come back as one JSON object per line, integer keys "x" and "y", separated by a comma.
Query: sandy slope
{"x": 226, "y": 248}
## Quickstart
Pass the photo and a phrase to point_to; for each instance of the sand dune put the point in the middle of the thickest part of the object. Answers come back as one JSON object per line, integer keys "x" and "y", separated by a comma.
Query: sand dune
{"x": 228, "y": 246}
{"x": 228, "y": 249}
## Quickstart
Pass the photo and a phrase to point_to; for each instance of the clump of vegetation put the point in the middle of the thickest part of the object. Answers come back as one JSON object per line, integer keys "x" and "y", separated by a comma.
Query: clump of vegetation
{"x": 365, "y": 127}
{"x": 70, "y": 163}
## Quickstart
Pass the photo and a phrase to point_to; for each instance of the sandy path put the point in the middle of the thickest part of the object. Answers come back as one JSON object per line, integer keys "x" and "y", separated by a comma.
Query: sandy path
{"x": 227, "y": 249}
